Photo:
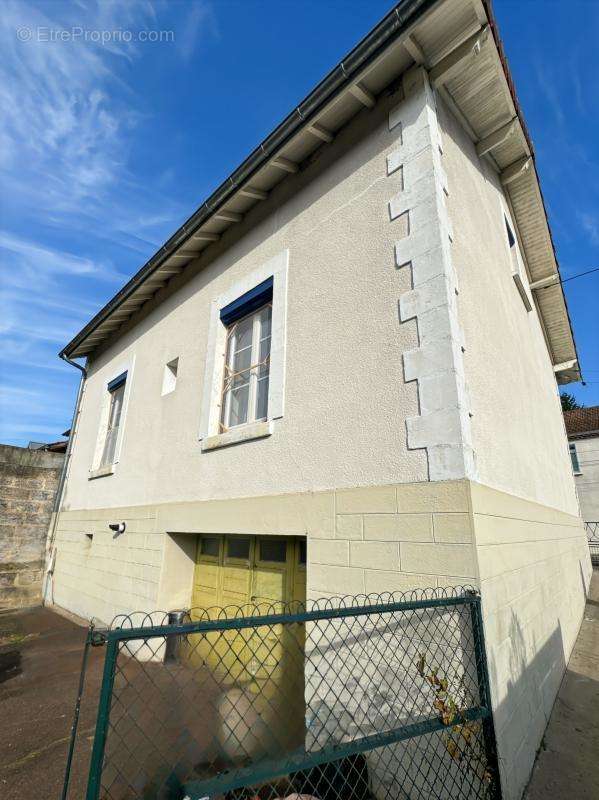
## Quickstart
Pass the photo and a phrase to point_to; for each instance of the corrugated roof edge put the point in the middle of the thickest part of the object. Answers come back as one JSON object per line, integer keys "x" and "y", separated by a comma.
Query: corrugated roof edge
{"x": 391, "y": 26}
{"x": 488, "y": 6}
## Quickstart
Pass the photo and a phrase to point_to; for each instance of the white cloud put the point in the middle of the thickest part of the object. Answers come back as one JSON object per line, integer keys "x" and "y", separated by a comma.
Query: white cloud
{"x": 46, "y": 260}
{"x": 70, "y": 197}
{"x": 590, "y": 223}
{"x": 200, "y": 15}
{"x": 547, "y": 81}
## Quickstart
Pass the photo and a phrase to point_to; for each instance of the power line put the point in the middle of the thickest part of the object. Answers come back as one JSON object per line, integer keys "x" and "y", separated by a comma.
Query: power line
{"x": 571, "y": 278}
{"x": 580, "y": 275}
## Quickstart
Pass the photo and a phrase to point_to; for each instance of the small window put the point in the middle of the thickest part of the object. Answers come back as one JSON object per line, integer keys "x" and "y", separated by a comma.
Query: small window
{"x": 116, "y": 388}
{"x": 517, "y": 271}
{"x": 169, "y": 379}
{"x": 210, "y": 546}
{"x": 238, "y": 547}
{"x": 513, "y": 246}
{"x": 574, "y": 458}
{"x": 510, "y": 234}
{"x": 247, "y": 369}
{"x": 273, "y": 550}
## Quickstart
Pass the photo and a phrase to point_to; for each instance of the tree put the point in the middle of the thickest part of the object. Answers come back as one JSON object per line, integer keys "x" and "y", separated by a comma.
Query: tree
{"x": 569, "y": 402}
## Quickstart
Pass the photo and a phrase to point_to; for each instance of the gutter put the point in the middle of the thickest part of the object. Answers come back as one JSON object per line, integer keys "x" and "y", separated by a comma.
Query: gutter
{"x": 50, "y": 556}
{"x": 344, "y": 74}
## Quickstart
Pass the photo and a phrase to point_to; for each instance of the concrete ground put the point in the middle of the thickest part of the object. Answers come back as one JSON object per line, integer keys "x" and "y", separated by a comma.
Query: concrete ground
{"x": 568, "y": 764}
{"x": 40, "y": 661}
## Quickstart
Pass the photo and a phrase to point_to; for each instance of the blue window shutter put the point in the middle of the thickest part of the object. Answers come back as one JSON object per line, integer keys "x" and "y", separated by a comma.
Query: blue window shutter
{"x": 116, "y": 382}
{"x": 248, "y": 302}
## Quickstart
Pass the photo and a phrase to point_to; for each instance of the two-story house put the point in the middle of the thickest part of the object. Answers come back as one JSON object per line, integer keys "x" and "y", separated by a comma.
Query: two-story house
{"x": 309, "y": 390}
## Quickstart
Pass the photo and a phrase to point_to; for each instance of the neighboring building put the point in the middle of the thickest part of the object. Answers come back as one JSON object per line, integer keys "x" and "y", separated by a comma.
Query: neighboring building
{"x": 60, "y": 446}
{"x": 29, "y": 479}
{"x": 582, "y": 427}
{"x": 339, "y": 376}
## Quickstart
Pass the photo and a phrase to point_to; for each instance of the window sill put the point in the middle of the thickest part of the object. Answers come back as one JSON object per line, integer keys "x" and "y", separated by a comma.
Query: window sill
{"x": 522, "y": 290}
{"x": 245, "y": 433}
{"x": 102, "y": 472}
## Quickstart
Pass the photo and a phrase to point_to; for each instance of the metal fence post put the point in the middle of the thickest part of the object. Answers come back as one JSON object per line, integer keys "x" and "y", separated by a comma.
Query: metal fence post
{"x": 173, "y": 643}
{"x": 97, "y": 758}
{"x": 75, "y": 725}
{"x": 484, "y": 691}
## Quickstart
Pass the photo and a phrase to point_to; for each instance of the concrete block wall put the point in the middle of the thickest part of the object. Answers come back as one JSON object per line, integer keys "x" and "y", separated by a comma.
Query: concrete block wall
{"x": 28, "y": 484}
{"x": 369, "y": 539}
{"x": 534, "y": 575}
{"x": 395, "y": 539}
{"x": 100, "y": 574}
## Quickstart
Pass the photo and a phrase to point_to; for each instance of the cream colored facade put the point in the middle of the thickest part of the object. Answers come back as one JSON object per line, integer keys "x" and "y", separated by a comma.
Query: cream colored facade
{"x": 587, "y": 479}
{"x": 420, "y": 442}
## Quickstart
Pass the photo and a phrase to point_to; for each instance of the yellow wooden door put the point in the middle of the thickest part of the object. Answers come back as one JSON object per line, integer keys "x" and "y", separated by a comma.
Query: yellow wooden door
{"x": 257, "y": 575}
{"x": 241, "y": 575}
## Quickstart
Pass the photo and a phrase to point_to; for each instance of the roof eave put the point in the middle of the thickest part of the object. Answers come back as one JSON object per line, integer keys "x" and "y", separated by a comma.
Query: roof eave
{"x": 349, "y": 76}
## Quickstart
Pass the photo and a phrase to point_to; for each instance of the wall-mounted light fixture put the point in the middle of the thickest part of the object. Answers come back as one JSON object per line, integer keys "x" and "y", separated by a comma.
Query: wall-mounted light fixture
{"x": 118, "y": 528}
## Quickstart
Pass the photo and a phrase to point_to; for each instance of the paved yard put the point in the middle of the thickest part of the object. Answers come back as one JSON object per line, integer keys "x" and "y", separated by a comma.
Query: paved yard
{"x": 40, "y": 660}
{"x": 568, "y": 764}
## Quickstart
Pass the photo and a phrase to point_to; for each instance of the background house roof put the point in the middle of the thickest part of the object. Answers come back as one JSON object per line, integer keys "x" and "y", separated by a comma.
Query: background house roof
{"x": 582, "y": 421}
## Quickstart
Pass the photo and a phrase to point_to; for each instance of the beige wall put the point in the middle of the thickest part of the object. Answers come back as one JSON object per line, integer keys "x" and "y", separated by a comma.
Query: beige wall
{"x": 587, "y": 483}
{"x": 517, "y": 425}
{"x": 534, "y": 570}
{"x": 345, "y": 401}
{"x": 369, "y": 539}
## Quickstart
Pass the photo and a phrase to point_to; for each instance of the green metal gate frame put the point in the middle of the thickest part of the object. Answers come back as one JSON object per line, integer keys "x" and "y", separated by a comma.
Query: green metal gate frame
{"x": 300, "y": 759}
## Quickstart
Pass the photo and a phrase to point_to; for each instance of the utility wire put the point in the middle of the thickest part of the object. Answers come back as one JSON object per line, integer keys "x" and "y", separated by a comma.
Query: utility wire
{"x": 571, "y": 278}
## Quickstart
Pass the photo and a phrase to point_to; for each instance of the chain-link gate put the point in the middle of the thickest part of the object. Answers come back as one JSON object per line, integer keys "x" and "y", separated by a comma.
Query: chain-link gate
{"x": 362, "y": 698}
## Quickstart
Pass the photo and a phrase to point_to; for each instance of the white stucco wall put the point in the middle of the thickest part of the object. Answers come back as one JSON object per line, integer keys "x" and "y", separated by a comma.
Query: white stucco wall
{"x": 587, "y": 483}
{"x": 346, "y": 401}
{"x": 517, "y": 426}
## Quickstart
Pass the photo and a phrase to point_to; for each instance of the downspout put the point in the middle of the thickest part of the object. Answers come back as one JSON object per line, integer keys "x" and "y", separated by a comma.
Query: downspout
{"x": 50, "y": 551}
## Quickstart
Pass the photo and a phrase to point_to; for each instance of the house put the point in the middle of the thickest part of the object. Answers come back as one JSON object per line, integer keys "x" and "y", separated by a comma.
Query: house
{"x": 582, "y": 427}
{"x": 310, "y": 389}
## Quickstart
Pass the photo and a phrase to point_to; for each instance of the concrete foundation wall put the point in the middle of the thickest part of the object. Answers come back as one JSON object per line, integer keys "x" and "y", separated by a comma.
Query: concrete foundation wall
{"x": 368, "y": 539}
{"x": 535, "y": 571}
{"x": 28, "y": 483}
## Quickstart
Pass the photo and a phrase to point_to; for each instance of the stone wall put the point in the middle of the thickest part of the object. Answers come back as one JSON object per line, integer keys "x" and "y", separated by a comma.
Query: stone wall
{"x": 28, "y": 483}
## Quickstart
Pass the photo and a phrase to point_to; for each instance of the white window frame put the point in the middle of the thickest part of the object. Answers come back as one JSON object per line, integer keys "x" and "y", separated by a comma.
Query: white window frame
{"x": 97, "y": 471}
{"x": 519, "y": 268}
{"x": 252, "y": 378}
{"x": 210, "y": 435}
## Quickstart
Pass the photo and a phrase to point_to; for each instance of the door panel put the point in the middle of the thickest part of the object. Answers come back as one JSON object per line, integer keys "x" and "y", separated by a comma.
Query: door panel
{"x": 266, "y": 663}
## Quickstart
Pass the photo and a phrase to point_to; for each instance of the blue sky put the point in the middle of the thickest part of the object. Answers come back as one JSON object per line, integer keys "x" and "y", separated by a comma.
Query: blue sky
{"x": 105, "y": 149}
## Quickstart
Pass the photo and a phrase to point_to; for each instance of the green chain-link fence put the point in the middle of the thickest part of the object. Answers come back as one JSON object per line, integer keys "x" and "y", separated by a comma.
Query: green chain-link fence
{"x": 362, "y": 698}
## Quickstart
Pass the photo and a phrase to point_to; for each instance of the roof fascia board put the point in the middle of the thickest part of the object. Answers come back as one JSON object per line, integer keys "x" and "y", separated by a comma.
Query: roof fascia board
{"x": 347, "y": 73}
